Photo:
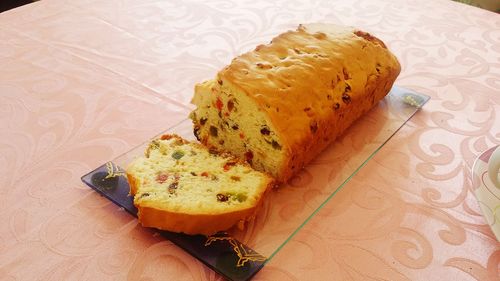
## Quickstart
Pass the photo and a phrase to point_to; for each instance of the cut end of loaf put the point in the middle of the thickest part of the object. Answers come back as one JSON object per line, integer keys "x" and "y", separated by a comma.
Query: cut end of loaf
{"x": 228, "y": 119}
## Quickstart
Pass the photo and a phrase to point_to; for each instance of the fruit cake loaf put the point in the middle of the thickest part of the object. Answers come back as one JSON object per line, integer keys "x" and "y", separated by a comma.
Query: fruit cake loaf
{"x": 184, "y": 187}
{"x": 281, "y": 104}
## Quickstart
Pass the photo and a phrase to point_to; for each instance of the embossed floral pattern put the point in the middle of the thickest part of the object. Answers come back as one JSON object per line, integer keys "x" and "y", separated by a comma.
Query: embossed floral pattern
{"x": 83, "y": 81}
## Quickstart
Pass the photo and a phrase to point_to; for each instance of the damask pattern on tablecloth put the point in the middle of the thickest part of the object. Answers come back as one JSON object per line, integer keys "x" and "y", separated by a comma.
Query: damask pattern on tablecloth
{"x": 83, "y": 81}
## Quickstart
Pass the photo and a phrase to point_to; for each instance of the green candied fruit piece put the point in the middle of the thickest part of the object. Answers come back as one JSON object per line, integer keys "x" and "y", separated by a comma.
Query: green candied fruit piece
{"x": 241, "y": 197}
{"x": 154, "y": 145}
{"x": 178, "y": 154}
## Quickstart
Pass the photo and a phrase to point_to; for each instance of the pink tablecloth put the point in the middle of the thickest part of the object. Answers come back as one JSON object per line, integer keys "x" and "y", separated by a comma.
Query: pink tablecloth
{"x": 83, "y": 81}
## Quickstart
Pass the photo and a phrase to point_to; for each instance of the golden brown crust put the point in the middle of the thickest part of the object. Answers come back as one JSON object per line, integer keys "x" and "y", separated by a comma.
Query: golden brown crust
{"x": 313, "y": 83}
{"x": 191, "y": 224}
{"x": 206, "y": 224}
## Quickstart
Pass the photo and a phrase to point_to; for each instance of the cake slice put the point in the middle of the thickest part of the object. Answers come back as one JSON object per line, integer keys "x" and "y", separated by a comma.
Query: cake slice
{"x": 182, "y": 186}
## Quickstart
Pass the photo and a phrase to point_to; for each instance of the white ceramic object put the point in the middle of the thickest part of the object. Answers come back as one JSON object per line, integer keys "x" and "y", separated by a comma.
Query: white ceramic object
{"x": 494, "y": 167}
{"x": 486, "y": 187}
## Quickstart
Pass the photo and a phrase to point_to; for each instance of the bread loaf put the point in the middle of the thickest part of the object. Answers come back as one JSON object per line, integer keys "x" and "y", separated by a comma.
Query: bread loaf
{"x": 184, "y": 187}
{"x": 281, "y": 104}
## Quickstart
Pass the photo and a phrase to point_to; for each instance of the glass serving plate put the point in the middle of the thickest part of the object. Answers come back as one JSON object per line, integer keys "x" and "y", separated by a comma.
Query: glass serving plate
{"x": 239, "y": 254}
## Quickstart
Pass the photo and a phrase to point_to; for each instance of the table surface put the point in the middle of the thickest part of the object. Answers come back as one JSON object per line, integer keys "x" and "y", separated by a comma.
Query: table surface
{"x": 84, "y": 81}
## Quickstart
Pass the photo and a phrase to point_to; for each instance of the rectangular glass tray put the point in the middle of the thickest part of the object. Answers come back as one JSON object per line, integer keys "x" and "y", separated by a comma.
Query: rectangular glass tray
{"x": 239, "y": 254}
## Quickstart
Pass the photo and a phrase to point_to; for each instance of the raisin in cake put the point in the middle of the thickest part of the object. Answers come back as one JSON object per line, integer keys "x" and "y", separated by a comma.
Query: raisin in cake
{"x": 184, "y": 187}
{"x": 281, "y": 104}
